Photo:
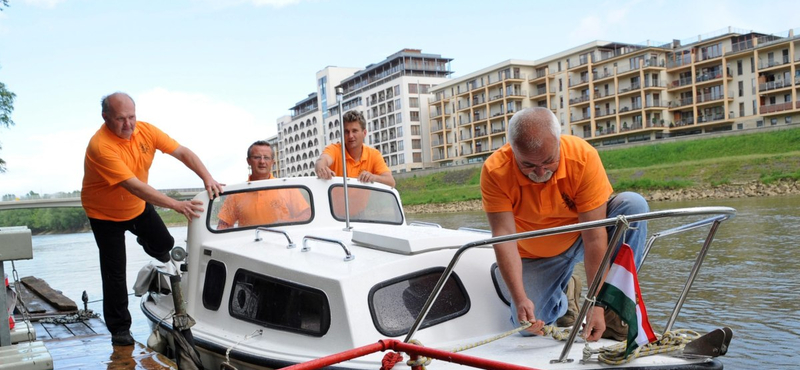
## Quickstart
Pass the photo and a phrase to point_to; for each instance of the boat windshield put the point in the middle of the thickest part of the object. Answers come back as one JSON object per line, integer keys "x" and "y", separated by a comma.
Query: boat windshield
{"x": 366, "y": 205}
{"x": 260, "y": 207}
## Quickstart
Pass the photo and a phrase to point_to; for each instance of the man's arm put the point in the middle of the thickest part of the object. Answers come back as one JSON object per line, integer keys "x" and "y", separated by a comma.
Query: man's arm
{"x": 385, "y": 178}
{"x": 510, "y": 264}
{"x": 150, "y": 195}
{"x": 193, "y": 162}
{"x": 323, "y": 167}
{"x": 595, "y": 244}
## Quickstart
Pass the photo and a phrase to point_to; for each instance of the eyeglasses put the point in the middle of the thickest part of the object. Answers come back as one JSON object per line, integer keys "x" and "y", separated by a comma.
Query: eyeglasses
{"x": 259, "y": 157}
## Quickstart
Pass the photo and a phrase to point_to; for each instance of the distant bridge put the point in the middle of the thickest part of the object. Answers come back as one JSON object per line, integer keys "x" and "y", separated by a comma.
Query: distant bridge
{"x": 183, "y": 194}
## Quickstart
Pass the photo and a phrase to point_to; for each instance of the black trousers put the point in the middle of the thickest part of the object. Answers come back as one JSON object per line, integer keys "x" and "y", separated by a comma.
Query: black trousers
{"x": 110, "y": 238}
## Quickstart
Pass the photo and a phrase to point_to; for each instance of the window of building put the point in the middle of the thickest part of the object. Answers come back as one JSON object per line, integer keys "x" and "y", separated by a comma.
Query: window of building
{"x": 412, "y": 89}
{"x": 741, "y": 109}
{"x": 397, "y": 104}
{"x": 759, "y": 123}
{"x": 400, "y": 146}
{"x": 401, "y": 157}
{"x": 741, "y": 88}
{"x": 560, "y": 84}
{"x": 279, "y": 304}
{"x": 415, "y": 130}
{"x": 417, "y": 157}
{"x": 413, "y": 102}
{"x": 423, "y": 89}
{"x": 414, "y": 116}
{"x": 416, "y": 144}
{"x": 559, "y": 66}
{"x": 773, "y": 121}
{"x": 399, "y": 117}
{"x": 396, "y": 89}
{"x": 752, "y": 65}
{"x": 739, "y": 126}
{"x": 739, "y": 67}
{"x": 788, "y": 119}
{"x": 400, "y": 131}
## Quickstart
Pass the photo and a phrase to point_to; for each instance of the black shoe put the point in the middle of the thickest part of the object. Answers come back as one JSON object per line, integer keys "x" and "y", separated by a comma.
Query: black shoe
{"x": 122, "y": 338}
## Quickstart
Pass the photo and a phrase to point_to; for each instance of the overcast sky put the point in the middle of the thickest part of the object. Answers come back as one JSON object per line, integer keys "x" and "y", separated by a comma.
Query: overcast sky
{"x": 216, "y": 75}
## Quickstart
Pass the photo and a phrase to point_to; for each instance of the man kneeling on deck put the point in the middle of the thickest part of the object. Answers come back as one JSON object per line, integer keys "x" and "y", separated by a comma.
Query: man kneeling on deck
{"x": 539, "y": 180}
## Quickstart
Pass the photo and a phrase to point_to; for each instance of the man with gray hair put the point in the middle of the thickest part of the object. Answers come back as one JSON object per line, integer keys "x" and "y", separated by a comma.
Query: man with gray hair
{"x": 541, "y": 179}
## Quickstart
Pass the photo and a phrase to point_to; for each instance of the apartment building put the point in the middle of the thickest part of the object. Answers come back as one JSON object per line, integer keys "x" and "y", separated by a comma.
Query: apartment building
{"x": 612, "y": 93}
{"x": 392, "y": 95}
{"x": 302, "y": 135}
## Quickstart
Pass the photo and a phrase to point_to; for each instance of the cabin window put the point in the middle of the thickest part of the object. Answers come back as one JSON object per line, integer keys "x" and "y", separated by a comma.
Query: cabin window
{"x": 260, "y": 207}
{"x": 279, "y": 304}
{"x": 395, "y": 304}
{"x": 366, "y": 205}
{"x": 214, "y": 285}
{"x": 500, "y": 284}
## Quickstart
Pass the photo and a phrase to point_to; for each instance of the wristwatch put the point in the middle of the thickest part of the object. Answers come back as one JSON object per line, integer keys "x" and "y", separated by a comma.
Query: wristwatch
{"x": 601, "y": 305}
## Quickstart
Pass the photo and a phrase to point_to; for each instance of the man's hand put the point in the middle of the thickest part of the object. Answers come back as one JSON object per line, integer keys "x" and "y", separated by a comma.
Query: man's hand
{"x": 323, "y": 171}
{"x": 366, "y": 176}
{"x": 525, "y": 313}
{"x": 189, "y": 208}
{"x": 213, "y": 188}
{"x": 596, "y": 324}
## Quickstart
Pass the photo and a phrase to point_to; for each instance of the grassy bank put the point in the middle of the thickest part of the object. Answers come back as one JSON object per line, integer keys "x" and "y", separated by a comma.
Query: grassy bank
{"x": 764, "y": 157}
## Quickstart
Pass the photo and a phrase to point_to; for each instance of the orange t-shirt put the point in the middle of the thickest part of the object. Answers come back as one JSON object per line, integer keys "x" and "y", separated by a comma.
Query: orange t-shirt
{"x": 111, "y": 160}
{"x": 262, "y": 207}
{"x": 371, "y": 160}
{"x": 579, "y": 185}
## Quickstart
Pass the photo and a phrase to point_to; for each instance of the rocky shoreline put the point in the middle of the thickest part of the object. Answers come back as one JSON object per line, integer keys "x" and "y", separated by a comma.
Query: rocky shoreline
{"x": 726, "y": 191}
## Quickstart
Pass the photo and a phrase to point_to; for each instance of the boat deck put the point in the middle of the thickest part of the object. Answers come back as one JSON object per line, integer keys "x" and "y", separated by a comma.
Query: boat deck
{"x": 80, "y": 344}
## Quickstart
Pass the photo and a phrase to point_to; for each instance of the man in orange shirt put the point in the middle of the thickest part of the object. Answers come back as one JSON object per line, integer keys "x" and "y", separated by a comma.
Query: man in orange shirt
{"x": 262, "y": 207}
{"x": 539, "y": 180}
{"x": 117, "y": 198}
{"x": 363, "y": 162}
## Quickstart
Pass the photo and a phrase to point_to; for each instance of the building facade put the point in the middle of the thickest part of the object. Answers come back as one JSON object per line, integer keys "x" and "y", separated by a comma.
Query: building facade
{"x": 613, "y": 93}
{"x": 392, "y": 95}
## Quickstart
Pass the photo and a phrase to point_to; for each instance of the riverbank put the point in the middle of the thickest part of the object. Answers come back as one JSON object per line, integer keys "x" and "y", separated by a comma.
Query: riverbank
{"x": 725, "y": 191}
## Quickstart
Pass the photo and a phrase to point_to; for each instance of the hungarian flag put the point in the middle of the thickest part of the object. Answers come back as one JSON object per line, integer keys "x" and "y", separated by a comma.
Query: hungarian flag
{"x": 622, "y": 295}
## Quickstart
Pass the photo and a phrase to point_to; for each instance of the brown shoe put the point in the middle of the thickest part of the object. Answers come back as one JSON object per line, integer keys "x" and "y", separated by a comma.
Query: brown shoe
{"x": 573, "y": 297}
{"x": 615, "y": 328}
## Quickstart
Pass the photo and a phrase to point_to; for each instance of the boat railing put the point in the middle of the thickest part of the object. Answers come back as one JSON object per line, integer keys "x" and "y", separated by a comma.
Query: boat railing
{"x": 258, "y": 237}
{"x": 621, "y": 224}
{"x": 348, "y": 256}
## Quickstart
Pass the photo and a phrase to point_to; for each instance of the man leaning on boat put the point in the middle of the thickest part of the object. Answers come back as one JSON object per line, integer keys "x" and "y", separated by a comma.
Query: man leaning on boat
{"x": 543, "y": 179}
{"x": 363, "y": 162}
{"x": 117, "y": 199}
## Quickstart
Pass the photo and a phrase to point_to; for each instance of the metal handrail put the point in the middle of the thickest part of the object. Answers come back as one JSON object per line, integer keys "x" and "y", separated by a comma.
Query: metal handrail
{"x": 258, "y": 238}
{"x": 721, "y": 214}
{"x": 348, "y": 256}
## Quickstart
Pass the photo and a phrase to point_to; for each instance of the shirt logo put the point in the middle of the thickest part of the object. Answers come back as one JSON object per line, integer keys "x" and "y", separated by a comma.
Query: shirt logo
{"x": 144, "y": 148}
{"x": 568, "y": 202}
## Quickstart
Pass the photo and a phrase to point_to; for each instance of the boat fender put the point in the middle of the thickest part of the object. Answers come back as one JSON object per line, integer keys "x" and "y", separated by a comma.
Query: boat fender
{"x": 157, "y": 342}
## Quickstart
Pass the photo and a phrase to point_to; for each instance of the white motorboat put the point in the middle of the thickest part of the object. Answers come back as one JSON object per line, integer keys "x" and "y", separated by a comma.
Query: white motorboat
{"x": 280, "y": 288}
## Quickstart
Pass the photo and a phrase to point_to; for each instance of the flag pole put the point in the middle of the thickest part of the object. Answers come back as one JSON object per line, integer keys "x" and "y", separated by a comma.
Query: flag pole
{"x": 339, "y": 99}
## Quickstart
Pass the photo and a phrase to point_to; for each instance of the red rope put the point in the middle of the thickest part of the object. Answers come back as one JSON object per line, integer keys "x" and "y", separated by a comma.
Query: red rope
{"x": 390, "y": 359}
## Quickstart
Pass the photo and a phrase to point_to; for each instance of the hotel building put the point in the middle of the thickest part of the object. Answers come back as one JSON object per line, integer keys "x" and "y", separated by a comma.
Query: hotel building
{"x": 612, "y": 93}
{"x": 392, "y": 95}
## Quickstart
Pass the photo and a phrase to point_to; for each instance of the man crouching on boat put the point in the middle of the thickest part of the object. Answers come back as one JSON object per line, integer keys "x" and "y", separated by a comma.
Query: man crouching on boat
{"x": 541, "y": 179}
{"x": 117, "y": 198}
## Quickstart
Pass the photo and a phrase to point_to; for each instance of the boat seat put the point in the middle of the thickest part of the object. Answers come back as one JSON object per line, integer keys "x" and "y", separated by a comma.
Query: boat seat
{"x": 412, "y": 239}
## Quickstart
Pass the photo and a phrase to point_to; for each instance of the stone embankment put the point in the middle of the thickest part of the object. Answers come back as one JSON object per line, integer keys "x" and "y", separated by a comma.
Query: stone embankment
{"x": 751, "y": 189}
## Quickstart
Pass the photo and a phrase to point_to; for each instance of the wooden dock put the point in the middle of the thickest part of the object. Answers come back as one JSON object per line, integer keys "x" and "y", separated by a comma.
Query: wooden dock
{"x": 83, "y": 343}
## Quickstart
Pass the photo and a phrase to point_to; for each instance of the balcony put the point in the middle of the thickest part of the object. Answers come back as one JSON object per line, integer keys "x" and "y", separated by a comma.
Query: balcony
{"x": 688, "y": 121}
{"x": 578, "y": 100}
{"x": 631, "y": 88}
{"x": 711, "y": 118}
{"x": 603, "y": 94}
{"x": 705, "y": 98}
{"x": 774, "y": 85}
{"x": 703, "y": 77}
{"x": 682, "y": 61}
{"x": 634, "y": 126}
{"x": 603, "y": 113}
{"x": 573, "y": 118}
{"x": 654, "y": 84}
{"x": 496, "y": 97}
{"x": 681, "y": 102}
{"x": 655, "y": 104}
{"x": 773, "y": 108}
{"x": 769, "y": 63}
{"x": 580, "y": 81}
{"x": 602, "y": 75}
{"x": 683, "y": 81}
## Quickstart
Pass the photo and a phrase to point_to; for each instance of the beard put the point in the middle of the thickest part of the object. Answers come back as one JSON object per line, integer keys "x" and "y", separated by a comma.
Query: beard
{"x": 540, "y": 179}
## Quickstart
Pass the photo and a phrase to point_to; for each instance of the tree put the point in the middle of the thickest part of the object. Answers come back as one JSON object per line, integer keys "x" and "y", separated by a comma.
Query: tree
{"x": 6, "y": 107}
{"x": 3, "y": 3}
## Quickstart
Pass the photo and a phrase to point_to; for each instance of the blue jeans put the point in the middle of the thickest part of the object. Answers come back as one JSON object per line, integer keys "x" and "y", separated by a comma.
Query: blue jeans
{"x": 546, "y": 279}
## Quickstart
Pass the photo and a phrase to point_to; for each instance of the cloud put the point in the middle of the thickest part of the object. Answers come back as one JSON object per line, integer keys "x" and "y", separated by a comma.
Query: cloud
{"x": 274, "y": 3}
{"x": 47, "y": 4}
{"x": 219, "y": 132}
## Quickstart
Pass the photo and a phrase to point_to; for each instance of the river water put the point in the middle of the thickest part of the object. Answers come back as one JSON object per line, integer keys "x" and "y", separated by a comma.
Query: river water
{"x": 749, "y": 280}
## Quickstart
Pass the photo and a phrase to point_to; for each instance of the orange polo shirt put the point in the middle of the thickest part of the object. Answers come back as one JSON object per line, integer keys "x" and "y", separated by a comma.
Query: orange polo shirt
{"x": 371, "y": 160}
{"x": 111, "y": 160}
{"x": 579, "y": 185}
{"x": 262, "y": 207}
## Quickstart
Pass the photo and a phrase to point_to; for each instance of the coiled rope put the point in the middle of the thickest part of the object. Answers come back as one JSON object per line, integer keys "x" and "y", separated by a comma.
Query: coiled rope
{"x": 670, "y": 341}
